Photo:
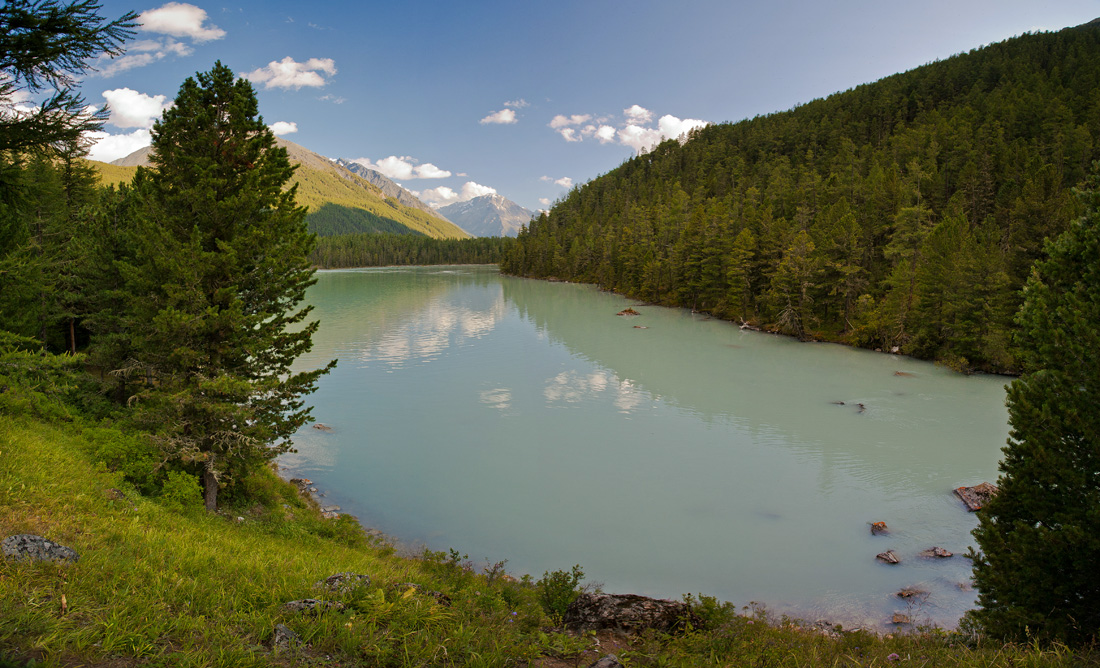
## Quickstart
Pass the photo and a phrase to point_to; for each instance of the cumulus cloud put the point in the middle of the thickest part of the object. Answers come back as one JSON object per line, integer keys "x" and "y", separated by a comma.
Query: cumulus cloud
{"x": 108, "y": 147}
{"x": 502, "y": 117}
{"x": 634, "y": 131}
{"x": 638, "y": 114}
{"x": 403, "y": 168}
{"x": 180, "y": 19}
{"x": 545, "y": 201}
{"x": 280, "y": 128}
{"x": 442, "y": 196}
{"x": 131, "y": 109}
{"x": 564, "y": 182}
{"x": 141, "y": 53}
{"x": 288, "y": 73}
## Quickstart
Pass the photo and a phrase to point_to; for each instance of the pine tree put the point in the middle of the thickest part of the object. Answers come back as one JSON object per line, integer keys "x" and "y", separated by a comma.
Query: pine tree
{"x": 214, "y": 286}
{"x": 1040, "y": 536}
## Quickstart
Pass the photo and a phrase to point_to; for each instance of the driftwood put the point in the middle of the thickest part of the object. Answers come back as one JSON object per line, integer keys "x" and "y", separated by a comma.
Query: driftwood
{"x": 977, "y": 496}
{"x": 889, "y": 557}
{"x": 936, "y": 552}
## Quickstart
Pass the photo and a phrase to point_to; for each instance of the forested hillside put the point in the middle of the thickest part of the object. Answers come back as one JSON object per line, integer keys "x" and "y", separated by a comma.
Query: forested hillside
{"x": 904, "y": 213}
{"x": 381, "y": 250}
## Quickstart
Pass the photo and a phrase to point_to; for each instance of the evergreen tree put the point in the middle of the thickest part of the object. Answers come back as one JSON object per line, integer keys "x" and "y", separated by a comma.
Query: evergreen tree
{"x": 213, "y": 287}
{"x": 1040, "y": 536}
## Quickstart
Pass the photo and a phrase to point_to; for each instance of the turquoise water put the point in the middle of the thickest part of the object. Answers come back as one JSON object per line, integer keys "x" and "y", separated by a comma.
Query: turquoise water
{"x": 667, "y": 453}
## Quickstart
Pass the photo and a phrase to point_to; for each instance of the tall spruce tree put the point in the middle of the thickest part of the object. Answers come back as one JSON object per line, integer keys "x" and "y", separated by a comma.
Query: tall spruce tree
{"x": 213, "y": 291}
{"x": 1040, "y": 536}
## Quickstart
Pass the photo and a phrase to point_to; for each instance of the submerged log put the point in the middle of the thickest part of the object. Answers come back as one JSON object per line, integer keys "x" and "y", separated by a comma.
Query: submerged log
{"x": 977, "y": 496}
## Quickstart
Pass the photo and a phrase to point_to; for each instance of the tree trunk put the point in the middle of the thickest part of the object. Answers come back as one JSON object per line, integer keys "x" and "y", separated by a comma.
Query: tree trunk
{"x": 210, "y": 485}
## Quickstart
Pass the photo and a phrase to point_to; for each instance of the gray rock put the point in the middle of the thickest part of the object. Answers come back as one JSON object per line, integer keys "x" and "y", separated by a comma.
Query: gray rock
{"x": 343, "y": 582}
{"x": 936, "y": 553}
{"x": 331, "y": 509}
{"x": 283, "y": 637}
{"x": 36, "y": 548}
{"x": 313, "y": 606}
{"x": 609, "y": 661}
{"x": 627, "y": 612}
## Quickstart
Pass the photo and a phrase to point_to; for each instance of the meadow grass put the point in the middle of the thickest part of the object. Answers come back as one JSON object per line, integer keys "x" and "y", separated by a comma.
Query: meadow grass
{"x": 160, "y": 584}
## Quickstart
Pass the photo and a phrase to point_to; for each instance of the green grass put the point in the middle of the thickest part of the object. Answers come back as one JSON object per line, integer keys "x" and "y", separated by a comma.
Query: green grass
{"x": 163, "y": 586}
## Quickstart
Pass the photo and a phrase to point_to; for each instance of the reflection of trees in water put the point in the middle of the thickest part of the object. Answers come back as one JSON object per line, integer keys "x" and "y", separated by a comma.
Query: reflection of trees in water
{"x": 397, "y": 316}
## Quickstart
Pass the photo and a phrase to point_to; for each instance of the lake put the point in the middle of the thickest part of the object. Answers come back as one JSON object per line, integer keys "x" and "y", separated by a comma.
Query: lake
{"x": 666, "y": 453}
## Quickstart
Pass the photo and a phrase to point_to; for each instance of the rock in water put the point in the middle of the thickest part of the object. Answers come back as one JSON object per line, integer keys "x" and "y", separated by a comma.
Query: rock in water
{"x": 879, "y": 529}
{"x": 627, "y": 612}
{"x": 36, "y": 548}
{"x": 977, "y": 496}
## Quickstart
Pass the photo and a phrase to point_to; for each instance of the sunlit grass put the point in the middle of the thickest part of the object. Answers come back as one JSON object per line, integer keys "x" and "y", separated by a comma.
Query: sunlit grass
{"x": 168, "y": 587}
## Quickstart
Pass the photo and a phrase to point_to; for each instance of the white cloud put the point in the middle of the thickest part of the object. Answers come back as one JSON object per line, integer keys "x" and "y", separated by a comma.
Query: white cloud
{"x": 634, "y": 131}
{"x": 502, "y": 117}
{"x": 287, "y": 73}
{"x": 442, "y": 196}
{"x": 545, "y": 201}
{"x": 335, "y": 99}
{"x": 180, "y": 19}
{"x": 280, "y": 128}
{"x": 564, "y": 182}
{"x": 142, "y": 53}
{"x": 108, "y": 147}
{"x": 131, "y": 109}
{"x": 561, "y": 121}
{"x": 638, "y": 114}
{"x": 404, "y": 167}
{"x": 517, "y": 104}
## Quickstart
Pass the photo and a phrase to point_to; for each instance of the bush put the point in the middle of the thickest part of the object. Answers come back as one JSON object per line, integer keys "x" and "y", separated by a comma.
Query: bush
{"x": 181, "y": 492}
{"x": 558, "y": 590}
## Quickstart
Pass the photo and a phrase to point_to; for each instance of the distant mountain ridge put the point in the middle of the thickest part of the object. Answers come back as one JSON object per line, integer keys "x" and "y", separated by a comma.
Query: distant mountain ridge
{"x": 340, "y": 201}
{"x": 488, "y": 216}
{"x": 388, "y": 187}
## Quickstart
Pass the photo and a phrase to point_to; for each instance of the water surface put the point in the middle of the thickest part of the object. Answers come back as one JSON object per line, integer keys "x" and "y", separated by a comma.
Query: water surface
{"x": 666, "y": 453}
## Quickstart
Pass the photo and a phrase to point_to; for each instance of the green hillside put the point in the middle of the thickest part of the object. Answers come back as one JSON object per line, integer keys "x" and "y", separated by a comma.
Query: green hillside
{"x": 903, "y": 214}
{"x": 339, "y": 201}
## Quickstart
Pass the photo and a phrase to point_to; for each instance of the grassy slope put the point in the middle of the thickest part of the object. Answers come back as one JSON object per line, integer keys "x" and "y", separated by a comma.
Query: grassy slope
{"x": 156, "y": 586}
{"x": 321, "y": 183}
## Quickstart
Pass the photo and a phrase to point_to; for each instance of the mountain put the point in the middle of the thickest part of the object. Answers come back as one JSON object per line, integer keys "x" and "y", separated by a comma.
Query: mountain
{"x": 488, "y": 216}
{"x": 339, "y": 200}
{"x": 903, "y": 215}
{"x": 388, "y": 187}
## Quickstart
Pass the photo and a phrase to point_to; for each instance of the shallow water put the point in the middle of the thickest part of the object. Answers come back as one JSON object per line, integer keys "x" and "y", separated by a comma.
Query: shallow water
{"x": 667, "y": 453}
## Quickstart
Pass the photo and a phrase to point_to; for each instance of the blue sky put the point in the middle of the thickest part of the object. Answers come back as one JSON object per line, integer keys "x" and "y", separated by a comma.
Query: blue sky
{"x": 529, "y": 97}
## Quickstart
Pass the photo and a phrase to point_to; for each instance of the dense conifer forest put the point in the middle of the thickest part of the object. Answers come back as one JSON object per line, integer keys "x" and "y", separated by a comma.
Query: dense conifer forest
{"x": 904, "y": 214}
{"x": 382, "y": 250}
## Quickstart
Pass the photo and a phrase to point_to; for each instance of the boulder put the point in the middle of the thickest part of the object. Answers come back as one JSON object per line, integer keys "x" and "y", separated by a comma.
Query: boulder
{"x": 899, "y": 618}
{"x": 609, "y": 661}
{"x": 627, "y": 612}
{"x": 36, "y": 548}
{"x": 283, "y": 637}
{"x": 912, "y": 592}
{"x": 879, "y": 529}
{"x": 977, "y": 496}
{"x": 313, "y": 606}
{"x": 628, "y": 311}
{"x": 889, "y": 557}
{"x": 937, "y": 553}
{"x": 343, "y": 582}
